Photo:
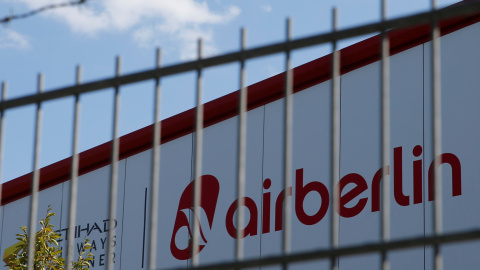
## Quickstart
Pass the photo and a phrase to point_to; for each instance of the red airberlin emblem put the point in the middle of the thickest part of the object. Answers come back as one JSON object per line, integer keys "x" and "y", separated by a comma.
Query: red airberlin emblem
{"x": 208, "y": 202}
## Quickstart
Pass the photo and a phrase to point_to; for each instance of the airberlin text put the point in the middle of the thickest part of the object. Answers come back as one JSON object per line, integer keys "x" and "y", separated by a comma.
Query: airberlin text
{"x": 351, "y": 202}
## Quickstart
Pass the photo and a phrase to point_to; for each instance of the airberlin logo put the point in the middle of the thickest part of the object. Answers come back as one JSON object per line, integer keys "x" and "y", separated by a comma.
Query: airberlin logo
{"x": 352, "y": 202}
{"x": 208, "y": 203}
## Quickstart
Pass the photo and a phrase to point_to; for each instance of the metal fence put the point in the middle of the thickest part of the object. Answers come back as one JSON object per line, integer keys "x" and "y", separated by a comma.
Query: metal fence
{"x": 383, "y": 247}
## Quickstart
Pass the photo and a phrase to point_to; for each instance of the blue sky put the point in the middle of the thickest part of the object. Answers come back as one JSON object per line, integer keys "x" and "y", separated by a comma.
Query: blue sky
{"x": 54, "y": 42}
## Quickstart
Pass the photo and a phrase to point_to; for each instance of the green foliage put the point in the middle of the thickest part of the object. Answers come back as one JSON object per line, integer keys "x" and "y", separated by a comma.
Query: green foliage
{"x": 48, "y": 255}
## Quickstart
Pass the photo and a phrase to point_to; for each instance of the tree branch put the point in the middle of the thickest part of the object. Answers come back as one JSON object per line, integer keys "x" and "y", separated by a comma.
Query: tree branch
{"x": 42, "y": 9}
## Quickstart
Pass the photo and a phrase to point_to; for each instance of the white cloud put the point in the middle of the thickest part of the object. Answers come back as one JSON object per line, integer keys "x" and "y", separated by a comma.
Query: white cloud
{"x": 182, "y": 20}
{"x": 189, "y": 40}
{"x": 12, "y": 39}
{"x": 144, "y": 36}
{"x": 267, "y": 8}
{"x": 184, "y": 42}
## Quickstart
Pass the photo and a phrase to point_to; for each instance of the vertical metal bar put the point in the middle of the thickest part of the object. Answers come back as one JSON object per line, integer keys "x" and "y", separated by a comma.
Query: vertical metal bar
{"x": 198, "y": 160}
{"x": 335, "y": 143}
{"x": 72, "y": 214}
{"x": 287, "y": 146}
{"x": 155, "y": 170}
{"x": 437, "y": 136}
{"x": 3, "y": 97}
{"x": 385, "y": 152}
{"x": 35, "y": 180}
{"x": 114, "y": 171}
{"x": 241, "y": 150}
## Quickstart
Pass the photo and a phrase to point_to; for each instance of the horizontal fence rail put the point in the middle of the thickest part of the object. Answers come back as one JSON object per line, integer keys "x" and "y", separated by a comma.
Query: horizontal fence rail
{"x": 346, "y": 251}
{"x": 462, "y": 9}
